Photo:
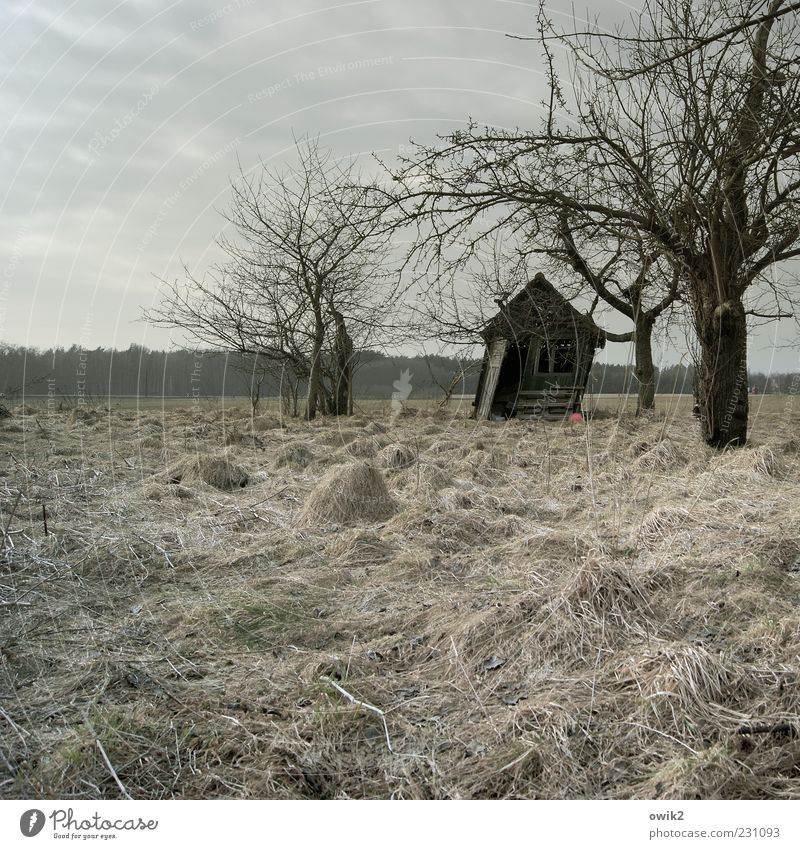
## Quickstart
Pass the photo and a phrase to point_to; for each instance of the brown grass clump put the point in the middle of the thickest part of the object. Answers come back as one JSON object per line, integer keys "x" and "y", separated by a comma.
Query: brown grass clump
{"x": 757, "y": 462}
{"x": 296, "y": 456}
{"x": 81, "y": 416}
{"x": 364, "y": 446}
{"x": 374, "y": 428}
{"x": 218, "y": 471}
{"x": 664, "y": 456}
{"x": 397, "y": 456}
{"x": 355, "y": 492}
{"x": 663, "y": 524}
{"x": 152, "y": 442}
{"x": 359, "y": 548}
{"x": 261, "y": 424}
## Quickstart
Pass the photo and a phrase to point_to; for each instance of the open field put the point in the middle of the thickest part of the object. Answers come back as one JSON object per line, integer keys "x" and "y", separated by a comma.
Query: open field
{"x": 601, "y": 610}
{"x": 760, "y": 405}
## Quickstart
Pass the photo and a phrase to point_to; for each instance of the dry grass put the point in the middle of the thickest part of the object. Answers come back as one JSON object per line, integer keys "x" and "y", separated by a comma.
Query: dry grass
{"x": 219, "y": 471}
{"x": 76, "y": 416}
{"x": 295, "y": 456}
{"x": 355, "y": 492}
{"x": 397, "y": 456}
{"x": 541, "y": 611}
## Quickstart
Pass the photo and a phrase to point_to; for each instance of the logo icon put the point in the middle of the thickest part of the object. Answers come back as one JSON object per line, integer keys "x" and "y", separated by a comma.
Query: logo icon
{"x": 31, "y": 822}
{"x": 402, "y": 389}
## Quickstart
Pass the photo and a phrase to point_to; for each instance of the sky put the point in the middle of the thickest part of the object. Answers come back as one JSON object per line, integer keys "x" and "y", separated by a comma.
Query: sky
{"x": 125, "y": 123}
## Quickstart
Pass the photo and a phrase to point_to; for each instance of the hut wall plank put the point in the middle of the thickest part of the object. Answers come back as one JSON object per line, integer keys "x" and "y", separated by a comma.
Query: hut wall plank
{"x": 496, "y": 353}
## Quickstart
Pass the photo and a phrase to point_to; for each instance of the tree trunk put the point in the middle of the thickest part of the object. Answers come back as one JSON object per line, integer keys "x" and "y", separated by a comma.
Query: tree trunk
{"x": 343, "y": 364}
{"x": 644, "y": 369}
{"x": 722, "y": 373}
{"x": 315, "y": 374}
{"x": 289, "y": 395}
{"x": 255, "y": 395}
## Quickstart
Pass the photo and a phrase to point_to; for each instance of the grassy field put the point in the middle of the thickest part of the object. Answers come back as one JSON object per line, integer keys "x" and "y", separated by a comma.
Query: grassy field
{"x": 670, "y": 405}
{"x": 600, "y": 610}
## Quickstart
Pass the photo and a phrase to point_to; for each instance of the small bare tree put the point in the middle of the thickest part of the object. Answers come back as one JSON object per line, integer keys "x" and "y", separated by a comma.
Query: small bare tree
{"x": 305, "y": 279}
{"x": 639, "y": 285}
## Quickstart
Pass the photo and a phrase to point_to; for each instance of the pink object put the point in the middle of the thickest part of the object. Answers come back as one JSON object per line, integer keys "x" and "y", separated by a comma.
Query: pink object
{"x": 576, "y": 417}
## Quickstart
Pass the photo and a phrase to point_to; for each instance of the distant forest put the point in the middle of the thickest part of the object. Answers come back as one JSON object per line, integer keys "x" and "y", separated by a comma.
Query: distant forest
{"x": 71, "y": 373}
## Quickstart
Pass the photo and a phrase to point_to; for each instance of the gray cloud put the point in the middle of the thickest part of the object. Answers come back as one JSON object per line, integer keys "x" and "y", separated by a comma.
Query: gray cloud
{"x": 125, "y": 123}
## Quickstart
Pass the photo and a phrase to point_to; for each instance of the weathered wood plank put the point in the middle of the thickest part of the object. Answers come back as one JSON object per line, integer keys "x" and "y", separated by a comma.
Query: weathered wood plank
{"x": 497, "y": 351}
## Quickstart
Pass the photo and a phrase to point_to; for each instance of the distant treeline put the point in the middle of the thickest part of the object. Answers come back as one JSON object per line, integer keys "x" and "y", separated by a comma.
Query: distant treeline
{"x": 72, "y": 373}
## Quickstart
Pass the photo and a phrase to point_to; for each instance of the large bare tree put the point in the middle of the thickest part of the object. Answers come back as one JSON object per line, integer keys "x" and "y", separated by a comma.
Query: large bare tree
{"x": 696, "y": 115}
{"x": 305, "y": 282}
{"x": 681, "y": 136}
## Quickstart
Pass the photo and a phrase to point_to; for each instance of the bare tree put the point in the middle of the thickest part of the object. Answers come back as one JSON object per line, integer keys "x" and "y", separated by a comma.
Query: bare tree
{"x": 700, "y": 123}
{"x": 305, "y": 281}
{"x": 681, "y": 139}
{"x": 636, "y": 283}
{"x": 740, "y": 25}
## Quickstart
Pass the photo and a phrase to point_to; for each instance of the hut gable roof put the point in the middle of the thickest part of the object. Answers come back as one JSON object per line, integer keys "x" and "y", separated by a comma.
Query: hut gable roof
{"x": 539, "y": 308}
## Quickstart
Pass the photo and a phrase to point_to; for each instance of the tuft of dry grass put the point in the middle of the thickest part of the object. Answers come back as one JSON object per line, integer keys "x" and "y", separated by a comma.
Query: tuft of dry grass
{"x": 219, "y": 471}
{"x": 363, "y": 446}
{"x": 355, "y": 492}
{"x": 295, "y": 456}
{"x": 261, "y": 424}
{"x": 81, "y": 416}
{"x": 397, "y": 456}
{"x": 753, "y": 462}
{"x": 664, "y": 456}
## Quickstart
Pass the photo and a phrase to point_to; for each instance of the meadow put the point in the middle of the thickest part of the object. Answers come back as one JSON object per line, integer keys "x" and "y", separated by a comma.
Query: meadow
{"x": 200, "y": 603}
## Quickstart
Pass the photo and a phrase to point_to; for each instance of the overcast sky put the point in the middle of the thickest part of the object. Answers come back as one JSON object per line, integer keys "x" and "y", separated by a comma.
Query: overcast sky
{"x": 124, "y": 121}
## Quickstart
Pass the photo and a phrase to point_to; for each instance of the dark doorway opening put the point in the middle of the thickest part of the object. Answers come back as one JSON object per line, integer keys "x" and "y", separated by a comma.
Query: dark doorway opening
{"x": 543, "y": 363}
{"x": 513, "y": 369}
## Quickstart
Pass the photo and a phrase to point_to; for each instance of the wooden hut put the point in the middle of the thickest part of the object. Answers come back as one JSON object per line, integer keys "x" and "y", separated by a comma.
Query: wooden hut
{"x": 539, "y": 352}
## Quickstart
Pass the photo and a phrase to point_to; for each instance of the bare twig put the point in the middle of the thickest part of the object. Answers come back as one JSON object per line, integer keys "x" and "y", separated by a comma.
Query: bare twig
{"x": 768, "y": 728}
{"x": 11, "y": 516}
{"x": 359, "y": 703}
